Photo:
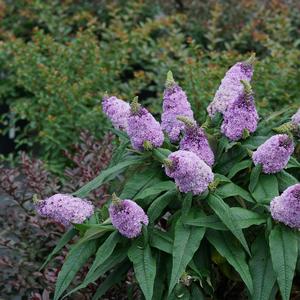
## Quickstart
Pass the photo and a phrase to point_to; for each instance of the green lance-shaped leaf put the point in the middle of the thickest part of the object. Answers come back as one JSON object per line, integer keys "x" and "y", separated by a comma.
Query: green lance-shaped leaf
{"x": 186, "y": 242}
{"x": 106, "y": 175}
{"x": 245, "y": 218}
{"x": 144, "y": 265}
{"x": 61, "y": 243}
{"x": 261, "y": 270}
{"x": 161, "y": 240}
{"x": 254, "y": 177}
{"x": 285, "y": 180}
{"x": 284, "y": 252}
{"x": 224, "y": 212}
{"x": 228, "y": 247}
{"x": 76, "y": 258}
{"x": 113, "y": 278}
{"x": 157, "y": 189}
{"x": 119, "y": 255}
{"x": 231, "y": 189}
{"x": 159, "y": 204}
{"x": 266, "y": 189}
{"x": 245, "y": 164}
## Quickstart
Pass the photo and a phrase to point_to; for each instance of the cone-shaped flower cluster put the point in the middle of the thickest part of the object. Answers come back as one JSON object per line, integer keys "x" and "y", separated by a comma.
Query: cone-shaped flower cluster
{"x": 65, "y": 209}
{"x": 191, "y": 174}
{"x": 286, "y": 207}
{"x": 117, "y": 111}
{"x": 143, "y": 130}
{"x": 195, "y": 140}
{"x": 127, "y": 216}
{"x": 231, "y": 87}
{"x": 241, "y": 115}
{"x": 175, "y": 104}
{"x": 274, "y": 153}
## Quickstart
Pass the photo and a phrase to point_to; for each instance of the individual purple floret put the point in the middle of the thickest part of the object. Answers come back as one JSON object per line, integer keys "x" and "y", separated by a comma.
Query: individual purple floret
{"x": 191, "y": 174}
{"x": 241, "y": 116}
{"x": 195, "y": 140}
{"x": 231, "y": 87}
{"x": 117, "y": 111}
{"x": 65, "y": 209}
{"x": 274, "y": 153}
{"x": 286, "y": 207}
{"x": 127, "y": 217}
{"x": 175, "y": 104}
{"x": 143, "y": 130}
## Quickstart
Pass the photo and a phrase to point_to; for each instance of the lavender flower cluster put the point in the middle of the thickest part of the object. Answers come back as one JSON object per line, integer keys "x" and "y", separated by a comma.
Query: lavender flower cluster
{"x": 286, "y": 207}
{"x": 191, "y": 174}
{"x": 231, "y": 87}
{"x": 274, "y": 153}
{"x": 65, "y": 209}
{"x": 175, "y": 104}
{"x": 128, "y": 217}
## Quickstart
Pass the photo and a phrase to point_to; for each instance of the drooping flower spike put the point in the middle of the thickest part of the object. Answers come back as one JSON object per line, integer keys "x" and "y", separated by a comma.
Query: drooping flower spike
{"x": 175, "y": 103}
{"x": 286, "y": 207}
{"x": 274, "y": 153}
{"x": 231, "y": 87}
{"x": 195, "y": 140}
{"x": 143, "y": 130}
{"x": 240, "y": 117}
{"x": 191, "y": 174}
{"x": 117, "y": 111}
{"x": 65, "y": 209}
{"x": 127, "y": 217}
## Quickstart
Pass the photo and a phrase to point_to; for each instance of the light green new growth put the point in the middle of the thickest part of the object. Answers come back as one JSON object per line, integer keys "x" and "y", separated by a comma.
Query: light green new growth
{"x": 135, "y": 106}
{"x": 170, "y": 80}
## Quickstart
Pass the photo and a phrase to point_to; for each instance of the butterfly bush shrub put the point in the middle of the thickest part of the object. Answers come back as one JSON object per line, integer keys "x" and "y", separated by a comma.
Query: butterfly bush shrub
{"x": 195, "y": 202}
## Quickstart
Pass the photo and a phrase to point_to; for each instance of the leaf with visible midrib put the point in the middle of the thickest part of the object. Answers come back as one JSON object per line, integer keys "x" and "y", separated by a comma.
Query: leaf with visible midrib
{"x": 261, "y": 270}
{"x": 97, "y": 181}
{"x": 186, "y": 242}
{"x": 228, "y": 247}
{"x": 76, "y": 258}
{"x": 144, "y": 265}
{"x": 226, "y": 215}
{"x": 284, "y": 253}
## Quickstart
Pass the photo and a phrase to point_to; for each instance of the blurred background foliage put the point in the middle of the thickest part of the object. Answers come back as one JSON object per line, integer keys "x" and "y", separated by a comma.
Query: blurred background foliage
{"x": 58, "y": 58}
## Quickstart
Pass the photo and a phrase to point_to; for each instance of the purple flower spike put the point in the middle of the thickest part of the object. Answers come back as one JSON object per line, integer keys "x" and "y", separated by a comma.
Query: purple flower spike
{"x": 175, "y": 104}
{"x": 241, "y": 116}
{"x": 231, "y": 87}
{"x": 195, "y": 140}
{"x": 296, "y": 118}
{"x": 65, "y": 209}
{"x": 117, "y": 111}
{"x": 274, "y": 153}
{"x": 127, "y": 217}
{"x": 191, "y": 174}
{"x": 143, "y": 130}
{"x": 286, "y": 207}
